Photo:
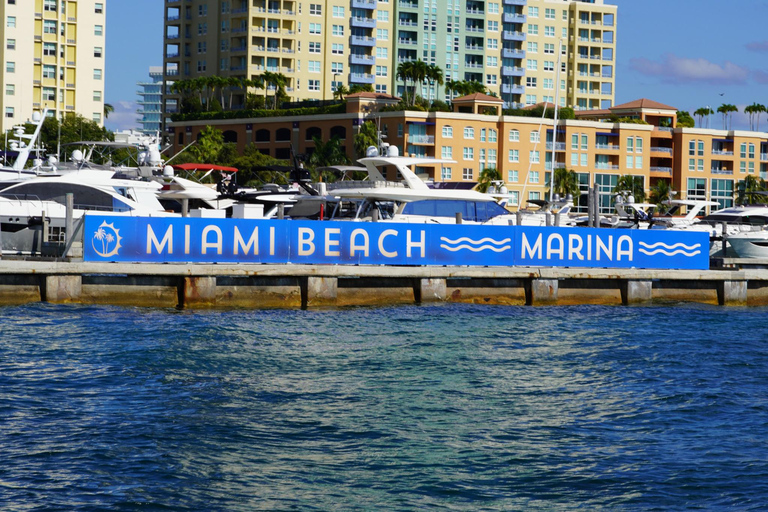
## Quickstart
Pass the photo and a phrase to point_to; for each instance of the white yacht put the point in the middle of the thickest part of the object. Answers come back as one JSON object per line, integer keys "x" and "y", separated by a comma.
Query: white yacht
{"x": 411, "y": 200}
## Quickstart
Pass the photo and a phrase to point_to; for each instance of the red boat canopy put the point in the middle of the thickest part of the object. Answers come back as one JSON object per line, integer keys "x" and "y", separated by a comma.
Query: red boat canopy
{"x": 204, "y": 167}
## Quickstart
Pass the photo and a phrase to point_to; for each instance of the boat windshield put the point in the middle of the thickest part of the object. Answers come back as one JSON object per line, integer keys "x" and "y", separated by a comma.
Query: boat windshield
{"x": 473, "y": 211}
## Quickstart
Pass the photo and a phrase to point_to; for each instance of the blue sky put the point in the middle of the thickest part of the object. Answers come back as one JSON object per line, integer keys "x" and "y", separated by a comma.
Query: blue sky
{"x": 683, "y": 53}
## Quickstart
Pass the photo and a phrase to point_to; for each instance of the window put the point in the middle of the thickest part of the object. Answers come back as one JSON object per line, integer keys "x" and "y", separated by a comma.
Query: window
{"x": 575, "y": 141}
{"x": 49, "y": 5}
{"x": 96, "y": 117}
{"x": 467, "y": 173}
{"x": 639, "y": 162}
{"x": 584, "y": 142}
{"x": 380, "y": 88}
{"x": 49, "y": 71}
{"x": 10, "y": 90}
{"x": 535, "y": 136}
{"x": 336, "y": 48}
{"x": 469, "y": 154}
{"x": 533, "y": 47}
{"x": 97, "y": 74}
{"x": 49, "y": 49}
{"x": 512, "y": 176}
{"x": 514, "y": 155}
{"x": 445, "y": 173}
{"x": 99, "y": 8}
{"x": 549, "y": 14}
{"x": 316, "y": 10}
{"x": 533, "y": 177}
{"x": 313, "y": 66}
{"x": 49, "y": 27}
{"x": 313, "y": 85}
{"x": 338, "y": 30}
{"x": 697, "y": 188}
{"x": 315, "y": 28}
{"x": 492, "y": 43}
{"x": 469, "y": 132}
{"x": 314, "y": 47}
{"x": 490, "y": 79}
{"x": 10, "y": 67}
{"x": 49, "y": 94}
{"x": 446, "y": 152}
{"x": 382, "y": 34}
{"x": 447, "y": 132}
{"x": 201, "y": 65}
{"x": 533, "y": 30}
{"x": 751, "y": 150}
{"x": 202, "y": 47}
{"x": 97, "y": 52}
{"x": 381, "y": 70}
{"x": 533, "y": 12}
{"x": 10, "y": 44}
{"x": 492, "y": 135}
{"x": 534, "y": 157}
{"x": 11, "y": 23}
{"x": 338, "y": 11}
{"x": 96, "y": 95}
{"x": 98, "y": 30}
{"x": 493, "y": 26}
{"x": 9, "y": 111}
{"x": 382, "y": 52}
{"x": 514, "y": 136}
{"x": 202, "y": 10}
{"x": 630, "y": 144}
{"x": 722, "y": 192}
{"x": 202, "y": 29}
{"x": 337, "y": 68}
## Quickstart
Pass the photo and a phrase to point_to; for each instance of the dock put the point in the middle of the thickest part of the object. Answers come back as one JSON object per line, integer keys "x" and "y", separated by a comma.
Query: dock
{"x": 254, "y": 286}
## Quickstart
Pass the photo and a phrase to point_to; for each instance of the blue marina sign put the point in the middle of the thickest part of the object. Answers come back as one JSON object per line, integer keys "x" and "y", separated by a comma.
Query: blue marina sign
{"x": 199, "y": 240}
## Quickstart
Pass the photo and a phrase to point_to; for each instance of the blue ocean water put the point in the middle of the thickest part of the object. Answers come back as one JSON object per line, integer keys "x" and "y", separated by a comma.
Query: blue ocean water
{"x": 447, "y": 407}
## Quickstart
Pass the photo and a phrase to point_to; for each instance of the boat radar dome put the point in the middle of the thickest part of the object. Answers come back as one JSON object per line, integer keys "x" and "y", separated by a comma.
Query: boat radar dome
{"x": 36, "y": 117}
{"x": 154, "y": 157}
{"x": 371, "y": 152}
{"x": 52, "y": 159}
{"x": 77, "y": 156}
{"x": 393, "y": 151}
{"x": 168, "y": 171}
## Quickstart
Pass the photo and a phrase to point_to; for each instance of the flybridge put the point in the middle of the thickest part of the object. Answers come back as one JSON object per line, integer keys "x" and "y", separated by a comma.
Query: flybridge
{"x": 197, "y": 240}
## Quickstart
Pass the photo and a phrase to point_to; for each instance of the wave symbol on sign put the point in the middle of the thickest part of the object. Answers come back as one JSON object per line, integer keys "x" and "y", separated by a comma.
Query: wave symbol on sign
{"x": 484, "y": 244}
{"x": 670, "y": 250}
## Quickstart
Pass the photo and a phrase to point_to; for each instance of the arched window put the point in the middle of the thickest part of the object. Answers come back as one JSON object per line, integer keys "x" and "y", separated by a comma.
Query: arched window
{"x": 339, "y": 131}
{"x": 230, "y": 136}
{"x": 313, "y": 131}
{"x": 262, "y": 135}
{"x": 283, "y": 135}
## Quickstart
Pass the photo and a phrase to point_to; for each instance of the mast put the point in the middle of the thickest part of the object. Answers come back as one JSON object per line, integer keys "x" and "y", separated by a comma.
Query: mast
{"x": 554, "y": 128}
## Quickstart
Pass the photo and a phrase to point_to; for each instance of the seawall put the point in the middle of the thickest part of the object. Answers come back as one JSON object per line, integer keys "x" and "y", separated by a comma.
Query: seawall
{"x": 307, "y": 286}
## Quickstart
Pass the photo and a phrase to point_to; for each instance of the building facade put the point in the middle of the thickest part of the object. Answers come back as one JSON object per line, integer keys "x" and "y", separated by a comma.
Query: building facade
{"x": 511, "y": 46}
{"x": 151, "y": 102}
{"x": 53, "y": 55}
{"x": 646, "y": 143}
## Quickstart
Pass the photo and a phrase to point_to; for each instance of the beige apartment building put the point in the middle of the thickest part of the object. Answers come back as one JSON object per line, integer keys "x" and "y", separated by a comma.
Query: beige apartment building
{"x": 53, "y": 55}
{"x": 581, "y": 37}
{"x": 510, "y": 46}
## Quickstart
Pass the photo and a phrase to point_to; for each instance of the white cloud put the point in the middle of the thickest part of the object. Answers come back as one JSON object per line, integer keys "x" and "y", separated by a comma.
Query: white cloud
{"x": 678, "y": 70}
{"x": 124, "y": 117}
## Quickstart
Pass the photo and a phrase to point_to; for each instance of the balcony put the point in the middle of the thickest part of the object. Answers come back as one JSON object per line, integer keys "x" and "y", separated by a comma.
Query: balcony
{"x": 408, "y": 5}
{"x": 364, "y": 60}
{"x": 474, "y": 11}
{"x": 722, "y": 152}
{"x": 360, "y": 22}
{"x": 364, "y": 4}
{"x": 362, "y": 41}
{"x": 512, "y": 71}
{"x": 666, "y": 151}
{"x": 606, "y": 167}
{"x": 421, "y": 139}
{"x": 361, "y": 78}
{"x": 407, "y": 42}
{"x": 512, "y": 54}
{"x": 510, "y": 35}
{"x": 407, "y": 23}
{"x": 559, "y": 146}
{"x": 662, "y": 170}
{"x": 512, "y": 89}
{"x": 515, "y": 2}
{"x": 607, "y": 147}
{"x": 721, "y": 171}
{"x": 514, "y": 18}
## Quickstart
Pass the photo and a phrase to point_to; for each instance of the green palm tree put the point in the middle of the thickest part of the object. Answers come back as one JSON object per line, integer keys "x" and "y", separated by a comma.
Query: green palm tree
{"x": 754, "y": 110}
{"x": 367, "y": 136}
{"x": 661, "y": 191}
{"x": 727, "y": 110}
{"x": 340, "y": 91}
{"x": 630, "y": 185}
{"x": 702, "y": 113}
{"x": 566, "y": 182}
{"x": 405, "y": 73}
{"x": 108, "y": 109}
{"x": 747, "y": 188}
{"x": 327, "y": 154}
{"x": 488, "y": 176}
{"x": 435, "y": 76}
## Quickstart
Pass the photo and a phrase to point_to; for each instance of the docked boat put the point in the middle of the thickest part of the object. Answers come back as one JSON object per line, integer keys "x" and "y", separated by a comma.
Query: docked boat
{"x": 410, "y": 200}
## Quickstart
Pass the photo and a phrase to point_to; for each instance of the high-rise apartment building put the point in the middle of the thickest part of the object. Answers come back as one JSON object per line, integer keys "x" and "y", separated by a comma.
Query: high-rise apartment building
{"x": 151, "y": 102}
{"x": 511, "y": 46}
{"x": 52, "y": 57}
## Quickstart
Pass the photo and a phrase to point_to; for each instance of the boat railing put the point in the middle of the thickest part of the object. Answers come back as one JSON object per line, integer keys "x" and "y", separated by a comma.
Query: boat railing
{"x": 364, "y": 184}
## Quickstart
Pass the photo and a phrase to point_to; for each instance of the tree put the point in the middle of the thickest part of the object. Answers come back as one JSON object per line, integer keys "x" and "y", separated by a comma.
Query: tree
{"x": 435, "y": 76}
{"x": 727, "y": 110}
{"x": 209, "y": 146}
{"x": 747, "y": 189}
{"x": 360, "y": 88}
{"x": 340, "y": 91}
{"x": 628, "y": 185}
{"x": 566, "y": 182}
{"x": 327, "y": 154}
{"x": 366, "y": 137}
{"x": 405, "y": 73}
{"x": 701, "y": 113}
{"x": 108, "y": 109}
{"x": 754, "y": 110}
{"x": 73, "y": 128}
{"x": 684, "y": 119}
{"x": 487, "y": 177}
{"x": 661, "y": 191}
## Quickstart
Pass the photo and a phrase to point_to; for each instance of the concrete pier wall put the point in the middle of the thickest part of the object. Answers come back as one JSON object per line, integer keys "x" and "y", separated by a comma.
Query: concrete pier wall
{"x": 201, "y": 286}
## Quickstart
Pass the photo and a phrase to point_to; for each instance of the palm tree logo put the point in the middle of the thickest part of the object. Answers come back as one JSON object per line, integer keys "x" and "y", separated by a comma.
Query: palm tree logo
{"x": 106, "y": 240}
